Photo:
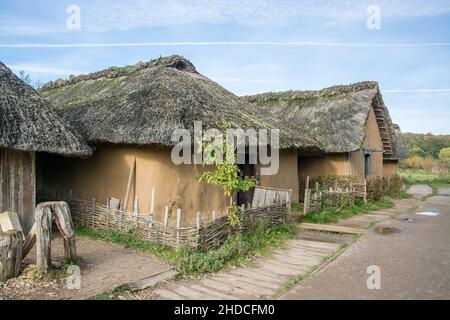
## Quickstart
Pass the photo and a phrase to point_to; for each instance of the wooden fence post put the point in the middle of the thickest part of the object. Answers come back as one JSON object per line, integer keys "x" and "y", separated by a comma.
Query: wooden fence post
{"x": 289, "y": 203}
{"x": 166, "y": 216}
{"x": 178, "y": 227}
{"x": 307, "y": 201}
{"x": 93, "y": 213}
{"x": 365, "y": 190}
{"x": 152, "y": 204}
{"x": 213, "y": 215}
{"x": 199, "y": 224}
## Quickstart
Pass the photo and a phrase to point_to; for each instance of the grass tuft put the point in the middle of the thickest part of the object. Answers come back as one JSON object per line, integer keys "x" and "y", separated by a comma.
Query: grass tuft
{"x": 238, "y": 249}
{"x": 330, "y": 215}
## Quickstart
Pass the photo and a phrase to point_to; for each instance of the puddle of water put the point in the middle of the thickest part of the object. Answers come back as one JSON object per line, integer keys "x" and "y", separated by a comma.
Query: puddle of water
{"x": 428, "y": 213}
{"x": 387, "y": 230}
{"x": 408, "y": 220}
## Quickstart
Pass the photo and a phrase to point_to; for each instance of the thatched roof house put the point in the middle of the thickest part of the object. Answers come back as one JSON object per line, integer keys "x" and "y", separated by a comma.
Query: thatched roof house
{"x": 130, "y": 113}
{"x": 350, "y": 124}
{"x": 28, "y": 125}
{"x": 142, "y": 104}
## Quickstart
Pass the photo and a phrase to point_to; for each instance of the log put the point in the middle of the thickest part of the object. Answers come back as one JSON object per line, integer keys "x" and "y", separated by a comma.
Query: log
{"x": 30, "y": 241}
{"x": 45, "y": 213}
{"x": 11, "y": 245}
{"x": 43, "y": 216}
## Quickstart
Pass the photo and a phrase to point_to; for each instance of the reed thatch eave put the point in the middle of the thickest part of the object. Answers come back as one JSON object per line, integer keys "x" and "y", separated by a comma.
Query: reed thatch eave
{"x": 29, "y": 123}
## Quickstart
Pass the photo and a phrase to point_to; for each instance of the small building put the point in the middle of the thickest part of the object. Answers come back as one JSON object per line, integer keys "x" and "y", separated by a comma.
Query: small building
{"x": 28, "y": 127}
{"x": 128, "y": 116}
{"x": 350, "y": 125}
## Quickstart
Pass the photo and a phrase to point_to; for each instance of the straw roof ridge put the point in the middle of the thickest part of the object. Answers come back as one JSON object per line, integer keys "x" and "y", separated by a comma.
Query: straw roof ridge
{"x": 29, "y": 123}
{"x": 173, "y": 61}
{"x": 334, "y": 117}
{"x": 143, "y": 104}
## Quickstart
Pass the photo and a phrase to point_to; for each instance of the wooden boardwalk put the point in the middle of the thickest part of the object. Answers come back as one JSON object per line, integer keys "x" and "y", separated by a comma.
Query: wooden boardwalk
{"x": 264, "y": 280}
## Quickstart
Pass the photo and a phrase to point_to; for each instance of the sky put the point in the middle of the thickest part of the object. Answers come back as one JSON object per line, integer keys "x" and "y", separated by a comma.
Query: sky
{"x": 249, "y": 46}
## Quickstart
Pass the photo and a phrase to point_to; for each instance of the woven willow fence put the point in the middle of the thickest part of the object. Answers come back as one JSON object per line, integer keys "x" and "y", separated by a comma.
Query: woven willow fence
{"x": 205, "y": 234}
{"x": 335, "y": 194}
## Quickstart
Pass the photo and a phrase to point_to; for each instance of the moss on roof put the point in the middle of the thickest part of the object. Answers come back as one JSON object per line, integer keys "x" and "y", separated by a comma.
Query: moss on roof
{"x": 144, "y": 103}
{"x": 334, "y": 117}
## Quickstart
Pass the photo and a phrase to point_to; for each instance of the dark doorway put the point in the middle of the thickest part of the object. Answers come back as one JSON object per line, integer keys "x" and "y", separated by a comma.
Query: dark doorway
{"x": 246, "y": 170}
{"x": 367, "y": 164}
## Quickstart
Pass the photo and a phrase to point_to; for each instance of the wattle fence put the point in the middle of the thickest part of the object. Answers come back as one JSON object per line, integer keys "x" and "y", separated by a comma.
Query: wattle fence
{"x": 203, "y": 235}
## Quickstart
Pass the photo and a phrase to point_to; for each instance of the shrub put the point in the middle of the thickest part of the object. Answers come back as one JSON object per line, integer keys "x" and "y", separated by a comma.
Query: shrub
{"x": 375, "y": 188}
{"x": 331, "y": 181}
{"x": 444, "y": 154}
{"x": 418, "y": 163}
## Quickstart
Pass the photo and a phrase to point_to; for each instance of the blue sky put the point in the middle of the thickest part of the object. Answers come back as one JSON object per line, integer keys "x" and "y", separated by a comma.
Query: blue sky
{"x": 281, "y": 45}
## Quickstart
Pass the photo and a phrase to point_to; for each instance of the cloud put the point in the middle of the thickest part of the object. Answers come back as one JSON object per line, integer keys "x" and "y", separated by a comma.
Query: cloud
{"x": 16, "y": 25}
{"x": 110, "y": 15}
{"x": 107, "y": 15}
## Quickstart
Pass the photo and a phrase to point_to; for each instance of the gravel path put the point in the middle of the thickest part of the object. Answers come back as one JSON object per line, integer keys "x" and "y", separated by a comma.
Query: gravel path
{"x": 414, "y": 264}
{"x": 106, "y": 266}
{"x": 420, "y": 190}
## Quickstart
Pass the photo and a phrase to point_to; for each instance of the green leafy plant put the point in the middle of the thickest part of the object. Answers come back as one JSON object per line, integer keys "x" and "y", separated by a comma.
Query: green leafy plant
{"x": 225, "y": 174}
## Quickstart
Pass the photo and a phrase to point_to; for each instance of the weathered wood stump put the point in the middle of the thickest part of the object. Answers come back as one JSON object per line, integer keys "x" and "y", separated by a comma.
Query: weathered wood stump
{"x": 11, "y": 243}
{"x": 45, "y": 213}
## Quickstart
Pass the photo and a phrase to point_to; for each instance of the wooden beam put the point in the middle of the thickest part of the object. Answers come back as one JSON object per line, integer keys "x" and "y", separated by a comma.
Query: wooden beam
{"x": 130, "y": 180}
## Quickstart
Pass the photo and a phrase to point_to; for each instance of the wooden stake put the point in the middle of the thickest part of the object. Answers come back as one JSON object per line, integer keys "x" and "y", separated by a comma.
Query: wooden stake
{"x": 166, "y": 216}
{"x": 152, "y": 205}
{"x": 178, "y": 226}
{"x": 199, "y": 220}
{"x": 213, "y": 215}
{"x": 130, "y": 180}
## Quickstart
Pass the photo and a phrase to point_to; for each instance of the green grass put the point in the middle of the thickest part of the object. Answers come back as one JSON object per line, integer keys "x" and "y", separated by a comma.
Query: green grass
{"x": 411, "y": 177}
{"x": 330, "y": 215}
{"x": 114, "y": 294}
{"x": 295, "y": 207}
{"x": 54, "y": 273}
{"x": 238, "y": 249}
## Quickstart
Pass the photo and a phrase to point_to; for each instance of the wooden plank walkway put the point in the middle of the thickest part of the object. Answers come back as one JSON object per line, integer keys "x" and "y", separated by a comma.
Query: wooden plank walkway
{"x": 331, "y": 228}
{"x": 262, "y": 281}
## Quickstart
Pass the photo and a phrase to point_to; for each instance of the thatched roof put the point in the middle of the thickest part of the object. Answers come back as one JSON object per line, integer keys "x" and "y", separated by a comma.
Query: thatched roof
{"x": 334, "y": 117}
{"x": 28, "y": 123}
{"x": 144, "y": 103}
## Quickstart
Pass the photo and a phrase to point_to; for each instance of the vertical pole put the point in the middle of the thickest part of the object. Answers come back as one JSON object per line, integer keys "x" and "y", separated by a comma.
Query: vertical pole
{"x": 152, "y": 204}
{"x": 93, "y": 213}
{"x": 307, "y": 201}
{"x": 166, "y": 216}
{"x": 199, "y": 224}
{"x": 213, "y": 215}
{"x": 130, "y": 180}
{"x": 178, "y": 226}
{"x": 365, "y": 190}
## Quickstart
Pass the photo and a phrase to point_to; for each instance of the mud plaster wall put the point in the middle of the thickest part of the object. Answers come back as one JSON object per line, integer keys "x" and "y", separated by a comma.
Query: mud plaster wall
{"x": 106, "y": 175}
{"x": 287, "y": 176}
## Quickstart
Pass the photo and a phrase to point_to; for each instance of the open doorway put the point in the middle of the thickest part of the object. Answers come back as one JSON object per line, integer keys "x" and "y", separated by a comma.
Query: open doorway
{"x": 367, "y": 164}
{"x": 246, "y": 170}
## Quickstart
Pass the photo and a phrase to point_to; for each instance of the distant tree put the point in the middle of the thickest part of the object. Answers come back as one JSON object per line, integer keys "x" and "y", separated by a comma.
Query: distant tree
{"x": 416, "y": 151}
{"x": 444, "y": 154}
{"x": 25, "y": 77}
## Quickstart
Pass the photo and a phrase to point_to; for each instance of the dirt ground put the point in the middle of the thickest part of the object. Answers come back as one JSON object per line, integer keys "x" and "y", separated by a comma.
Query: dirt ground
{"x": 414, "y": 264}
{"x": 105, "y": 266}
